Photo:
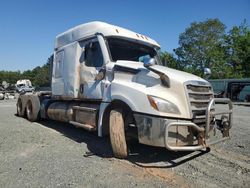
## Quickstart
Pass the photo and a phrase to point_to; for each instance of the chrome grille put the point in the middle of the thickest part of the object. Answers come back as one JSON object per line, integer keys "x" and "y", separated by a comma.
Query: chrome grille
{"x": 199, "y": 94}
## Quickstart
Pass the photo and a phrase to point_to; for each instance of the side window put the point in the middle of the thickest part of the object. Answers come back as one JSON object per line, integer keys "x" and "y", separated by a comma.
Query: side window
{"x": 59, "y": 64}
{"x": 93, "y": 55}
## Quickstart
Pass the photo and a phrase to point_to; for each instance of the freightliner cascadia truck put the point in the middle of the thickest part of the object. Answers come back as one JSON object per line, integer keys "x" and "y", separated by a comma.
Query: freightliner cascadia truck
{"x": 111, "y": 80}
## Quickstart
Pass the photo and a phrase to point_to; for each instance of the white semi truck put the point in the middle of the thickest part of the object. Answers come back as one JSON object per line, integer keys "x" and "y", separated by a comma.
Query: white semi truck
{"x": 109, "y": 79}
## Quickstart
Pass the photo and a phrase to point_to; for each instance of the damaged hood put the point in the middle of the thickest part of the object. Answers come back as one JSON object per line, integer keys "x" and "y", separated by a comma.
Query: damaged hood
{"x": 173, "y": 74}
{"x": 130, "y": 64}
{"x": 177, "y": 75}
{"x": 136, "y": 82}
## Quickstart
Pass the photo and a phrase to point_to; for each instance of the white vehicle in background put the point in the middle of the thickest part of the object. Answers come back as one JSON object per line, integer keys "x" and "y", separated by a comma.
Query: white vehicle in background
{"x": 24, "y": 82}
{"x": 23, "y": 86}
{"x": 108, "y": 79}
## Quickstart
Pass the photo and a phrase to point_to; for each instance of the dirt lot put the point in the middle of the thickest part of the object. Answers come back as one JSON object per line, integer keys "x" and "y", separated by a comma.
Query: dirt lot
{"x": 51, "y": 154}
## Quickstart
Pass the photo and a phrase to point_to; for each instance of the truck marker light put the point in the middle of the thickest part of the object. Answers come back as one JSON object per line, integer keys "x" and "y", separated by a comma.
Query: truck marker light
{"x": 153, "y": 103}
{"x": 163, "y": 105}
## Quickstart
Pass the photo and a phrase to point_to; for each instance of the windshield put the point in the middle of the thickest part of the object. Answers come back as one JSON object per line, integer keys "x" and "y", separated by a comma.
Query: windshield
{"x": 20, "y": 85}
{"x": 121, "y": 49}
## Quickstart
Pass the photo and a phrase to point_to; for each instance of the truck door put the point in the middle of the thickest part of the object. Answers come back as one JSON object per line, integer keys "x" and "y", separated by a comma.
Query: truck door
{"x": 91, "y": 62}
{"x": 57, "y": 78}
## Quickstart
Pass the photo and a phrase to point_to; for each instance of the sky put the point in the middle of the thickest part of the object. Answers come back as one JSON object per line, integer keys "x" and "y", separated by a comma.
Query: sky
{"x": 28, "y": 27}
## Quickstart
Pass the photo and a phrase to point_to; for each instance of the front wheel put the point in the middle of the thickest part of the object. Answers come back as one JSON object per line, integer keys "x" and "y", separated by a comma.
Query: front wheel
{"x": 117, "y": 134}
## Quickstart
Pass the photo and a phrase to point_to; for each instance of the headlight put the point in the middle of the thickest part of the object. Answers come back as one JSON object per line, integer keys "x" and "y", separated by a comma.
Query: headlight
{"x": 163, "y": 105}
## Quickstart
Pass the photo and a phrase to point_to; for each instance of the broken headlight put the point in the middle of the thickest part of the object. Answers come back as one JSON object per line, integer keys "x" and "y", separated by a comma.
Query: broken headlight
{"x": 163, "y": 105}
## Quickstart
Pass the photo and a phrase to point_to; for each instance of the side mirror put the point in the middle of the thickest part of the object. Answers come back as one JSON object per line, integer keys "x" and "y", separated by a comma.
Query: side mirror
{"x": 207, "y": 72}
{"x": 148, "y": 62}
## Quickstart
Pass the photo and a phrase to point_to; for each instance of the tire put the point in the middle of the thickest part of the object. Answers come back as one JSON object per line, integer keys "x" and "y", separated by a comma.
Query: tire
{"x": 33, "y": 108}
{"x": 21, "y": 104}
{"x": 117, "y": 134}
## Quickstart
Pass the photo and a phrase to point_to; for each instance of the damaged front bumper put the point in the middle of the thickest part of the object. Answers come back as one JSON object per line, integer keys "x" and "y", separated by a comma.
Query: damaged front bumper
{"x": 183, "y": 135}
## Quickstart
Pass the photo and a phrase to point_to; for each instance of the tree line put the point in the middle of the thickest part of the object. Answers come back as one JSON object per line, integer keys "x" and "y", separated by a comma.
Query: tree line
{"x": 39, "y": 76}
{"x": 202, "y": 45}
{"x": 207, "y": 45}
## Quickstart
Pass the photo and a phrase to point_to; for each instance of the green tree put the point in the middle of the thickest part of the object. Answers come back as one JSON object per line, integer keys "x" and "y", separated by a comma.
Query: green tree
{"x": 201, "y": 46}
{"x": 170, "y": 61}
{"x": 39, "y": 76}
{"x": 238, "y": 50}
{"x": 42, "y": 74}
{"x": 9, "y": 76}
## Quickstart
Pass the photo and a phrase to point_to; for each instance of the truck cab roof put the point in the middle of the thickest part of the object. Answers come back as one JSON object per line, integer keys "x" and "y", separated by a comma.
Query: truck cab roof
{"x": 90, "y": 29}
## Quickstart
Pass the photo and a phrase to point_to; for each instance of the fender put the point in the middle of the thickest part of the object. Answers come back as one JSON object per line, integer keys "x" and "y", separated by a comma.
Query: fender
{"x": 102, "y": 109}
{"x": 104, "y": 106}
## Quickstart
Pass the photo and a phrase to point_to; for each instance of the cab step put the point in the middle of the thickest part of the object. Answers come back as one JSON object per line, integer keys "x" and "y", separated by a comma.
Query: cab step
{"x": 84, "y": 117}
{"x": 86, "y": 109}
{"x": 84, "y": 126}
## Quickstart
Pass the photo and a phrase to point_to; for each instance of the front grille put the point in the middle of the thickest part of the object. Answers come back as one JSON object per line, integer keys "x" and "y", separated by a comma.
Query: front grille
{"x": 199, "y": 95}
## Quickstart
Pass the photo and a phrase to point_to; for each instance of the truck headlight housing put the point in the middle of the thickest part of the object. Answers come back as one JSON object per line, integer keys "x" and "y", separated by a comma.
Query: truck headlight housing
{"x": 163, "y": 105}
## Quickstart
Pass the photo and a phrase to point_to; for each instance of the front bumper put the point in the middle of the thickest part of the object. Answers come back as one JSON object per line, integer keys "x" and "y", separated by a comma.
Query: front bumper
{"x": 184, "y": 135}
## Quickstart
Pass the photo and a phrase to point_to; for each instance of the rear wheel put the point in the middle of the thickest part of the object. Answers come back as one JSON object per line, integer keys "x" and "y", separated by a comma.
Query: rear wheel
{"x": 33, "y": 108}
{"x": 20, "y": 107}
{"x": 117, "y": 134}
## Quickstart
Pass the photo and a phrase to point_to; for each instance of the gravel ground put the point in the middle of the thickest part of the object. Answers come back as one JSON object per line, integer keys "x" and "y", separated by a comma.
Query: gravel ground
{"x": 52, "y": 154}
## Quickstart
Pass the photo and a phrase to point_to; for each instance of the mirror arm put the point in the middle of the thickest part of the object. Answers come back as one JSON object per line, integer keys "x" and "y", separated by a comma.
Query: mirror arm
{"x": 101, "y": 74}
{"x": 165, "y": 81}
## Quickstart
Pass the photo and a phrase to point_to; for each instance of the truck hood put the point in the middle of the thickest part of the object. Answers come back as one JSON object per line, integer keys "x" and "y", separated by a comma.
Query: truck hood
{"x": 173, "y": 74}
{"x": 135, "y": 82}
